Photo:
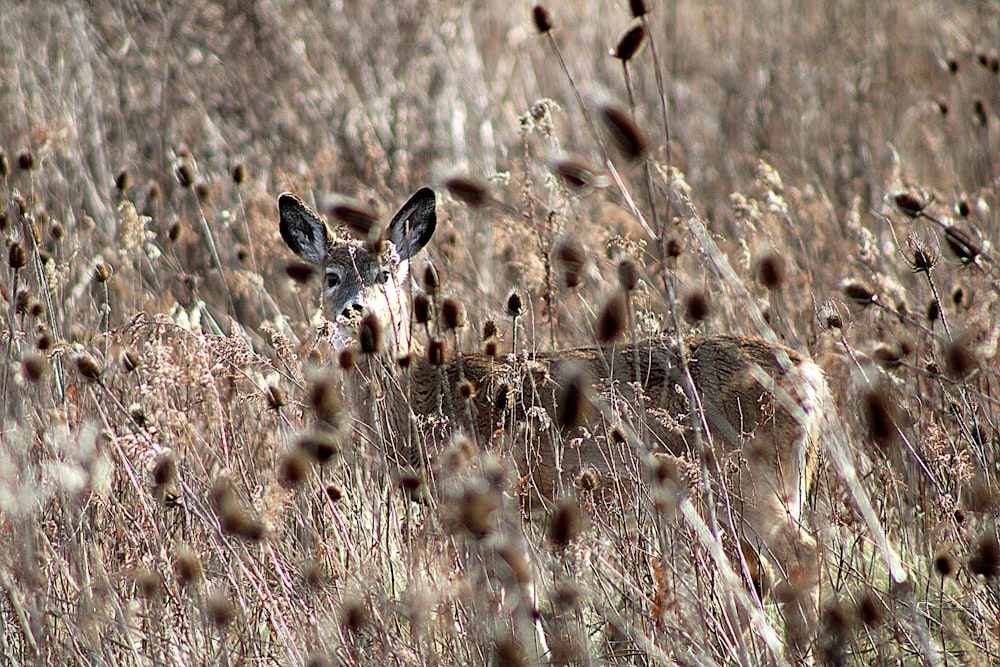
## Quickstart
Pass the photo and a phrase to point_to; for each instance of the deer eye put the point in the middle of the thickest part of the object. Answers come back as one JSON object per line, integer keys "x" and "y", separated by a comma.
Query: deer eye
{"x": 383, "y": 276}
{"x": 332, "y": 280}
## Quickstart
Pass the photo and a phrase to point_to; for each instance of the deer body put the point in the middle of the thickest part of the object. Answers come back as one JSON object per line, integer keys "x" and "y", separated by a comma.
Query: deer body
{"x": 761, "y": 403}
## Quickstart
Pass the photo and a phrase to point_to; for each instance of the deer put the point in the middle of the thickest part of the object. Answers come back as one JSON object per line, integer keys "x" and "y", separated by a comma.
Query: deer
{"x": 754, "y": 403}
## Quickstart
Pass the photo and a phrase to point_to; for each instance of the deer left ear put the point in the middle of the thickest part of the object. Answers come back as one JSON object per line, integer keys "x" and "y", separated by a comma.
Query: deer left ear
{"x": 414, "y": 224}
{"x": 303, "y": 231}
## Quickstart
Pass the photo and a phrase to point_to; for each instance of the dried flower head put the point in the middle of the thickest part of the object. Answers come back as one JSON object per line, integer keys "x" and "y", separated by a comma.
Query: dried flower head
{"x": 628, "y": 274}
{"x": 360, "y": 219}
{"x": 613, "y": 318}
{"x": 878, "y": 417}
{"x": 697, "y": 306}
{"x": 624, "y": 132}
{"x": 575, "y": 175}
{"x": 320, "y": 446}
{"x": 432, "y": 282}
{"x": 421, "y": 309}
{"x": 630, "y": 44}
{"x": 17, "y": 256}
{"x": 542, "y": 19}
{"x": 909, "y": 204}
{"x": 293, "y": 469}
{"x": 219, "y": 609}
{"x": 239, "y": 174}
{"x": 347, "y": 358}
{"x": 515, "y": 304}
{"x": 923, "y": 256}
{"x": 187, "y": 566}
{"x": 829, "y": 315}
{"x": 571, "y": 257}
{"x": 452, "y": 314}
{"x": 771, "y": 271}
{"x": 89, "y": 368}
{"x": 566, "y": 524}
{"x": 489, "y": 330}
{"x": 965, "y": 249}
{"x": 325, "y": 399}
{"x": 275, "y": 397}
{"x": 123, "y": 181}
{"x": 985, "y": 559}
{"x": 638, "y": 8}
{"x": 370, "y": 334}
{"x": 34, "y": 366}
{"x": 435, "y": 352}
{"x": 859, "y": 293}
{"x": 334, "y": 492}
{"x": 102, "y": 272}
{"x": 468, "y": 190}
{"x": 184, "y": 175}
{"x": 573, "y": 406}
{"x": 26, "y": 161}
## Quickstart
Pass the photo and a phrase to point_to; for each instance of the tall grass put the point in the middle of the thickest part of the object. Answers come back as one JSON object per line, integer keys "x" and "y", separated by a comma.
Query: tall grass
{"x": 165, "y": 496}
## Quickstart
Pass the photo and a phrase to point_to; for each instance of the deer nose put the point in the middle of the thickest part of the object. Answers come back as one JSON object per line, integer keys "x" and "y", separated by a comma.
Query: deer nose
{"x": 353, "y": 309}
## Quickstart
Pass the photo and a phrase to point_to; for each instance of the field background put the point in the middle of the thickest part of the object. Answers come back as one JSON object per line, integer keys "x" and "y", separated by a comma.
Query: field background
{"x": 152, "y": 508}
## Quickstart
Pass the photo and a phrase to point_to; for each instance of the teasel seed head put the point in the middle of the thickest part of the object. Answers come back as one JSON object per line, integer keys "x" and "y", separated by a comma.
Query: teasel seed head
{"x": 347, "y": 358}
{"x": 431, "y": 280}
{"x": 575, "y": 176}
{"x": 452, "y": 314}
{"x": 542, "y": 19}
{"x": 630, "y": 44}
{"x": 923, "y": 256}
{"x": 829, "y": 315}
{"x": 571, "y": 259}
{"x": 219, "y": 609}
{"x": 771, "y": 271}
{"x": 566, "y": 523}
{"x": 34, "y": 366}
{"x": 674, "y": 248}
{"x": 187, "y": 566}
{"x": 628, "y": 274}
{"x": 878, "y": 417}
{"x": 909, "y": 204}
{"x": 960, "y": 360}
{"x": 871, "y": 611}
{"x": 624, "y": 132}
{"x": 17, "y": 256}
{"x": 129, "y": 360}
{"x": 435, "y": 352}
{"x": 23, "y": 301}
{"x": 276, "y": 398}
{"x": 962, "y": 246}
{"x": 697, "y": 306}
{"x": 515, "y": 304}
{"x": 334, "y": 492}
{"x": 203, "y": 191}
{"x": 468, "y": 190}
{"x": 859, "y": 293}
{"x": 239, "y": 174}
{"x": 613, "y": 319}
{"x": 638, "y": 8}
{"x": 4, "y": 165}
{"x": 102, "y": 272}
{"x": 361, "y": 220}
{"x": 293, "y": 469}
{"x": 26, "y": 161}
{"x": 491, "y": 347}
{"x": 466, "y": 390}
{"x": 573, "y": 406}
{"x": 944, "y": 564}
{"x": 985, "y": 559}
{"x": 123, "y": 181}
{"x": 370, "y": 334}
{"x": 489, "y": 329}
{"x": 421, "y": 309}
{"x": 184, "y": 175}
{"x": 319, "y": 446}
{"x": 89, "y": 368}
{"x": 325, "y": 399}
{"x": 588, "y": 480}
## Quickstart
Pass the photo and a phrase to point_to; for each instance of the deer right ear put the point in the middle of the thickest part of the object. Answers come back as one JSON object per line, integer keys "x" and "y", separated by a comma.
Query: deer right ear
{"x": 302, "y": 230}
{"x": 414, "y": 224}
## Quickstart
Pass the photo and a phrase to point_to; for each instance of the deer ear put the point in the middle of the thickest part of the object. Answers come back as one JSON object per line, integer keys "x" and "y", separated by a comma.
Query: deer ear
{"x": 302, "y": 230}
{"x": 414, "y": 225}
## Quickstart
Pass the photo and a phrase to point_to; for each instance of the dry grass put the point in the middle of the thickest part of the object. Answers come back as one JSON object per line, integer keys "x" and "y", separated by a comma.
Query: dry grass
{"x": 160, "y": 370}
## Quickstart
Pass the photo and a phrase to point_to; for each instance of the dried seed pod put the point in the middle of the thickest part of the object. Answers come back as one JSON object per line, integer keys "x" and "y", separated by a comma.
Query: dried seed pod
{"x": 613, "y": 319}
{"x": 965, "y": 249}
{"x": 130, "y": 361}
{"x": 88, "y": 367}
{"x": 275, "y": 397}
{"x": 102, "y": 273}
{"x": 334, "y": 492}
{"x": 239, "y": 174}
{"x": 26, "y": 161}
{"x": 631, "y": 43}
{"x": 325, "y": 399}
{"x": 985, "y": 560}
{"x": 184, "y": 175}
{"x": 421, "y": 309}
{"x": 489, "y": 330}
{"x": 829, "y": 315}
{"x": 624, "y": 132}
{"x": 370, "y": 334}
{"x": 17, "y": 256}
{"x": 220, "y": 610}
{"x": 435, "y": 352}
{"x": 319, "y": 446}
{"x": 571, "y": 258}
{"x": 361, "y": 220}
{"x": 771, "y": 271}
{"x": 123, "y": 181}
{"x": 187, "y": 566}
{"x": 347, "y": 358}
{"x": 293, "y": 469}
{"x": 203, "y": 192}
{"x": 909, "y": 205}
{"x": 878, "y": 416}
{"x": 575, "y": 175}
{"x": 858, "y": 293}
{"x": 574, "y": 406}
{"x": 566, "y": 523}
{"x": 34, "y": 366}
{"x": 432, "y": 281}
{"x": 452, "y": 314}
{"x": 470, "y": 191}
{"x": 542, "y": 19}
{"x": 638, "y": 8}
{"x": 628, "y": 274}
{"x": 697, "y": 306}
{"x": 515, "y": 304}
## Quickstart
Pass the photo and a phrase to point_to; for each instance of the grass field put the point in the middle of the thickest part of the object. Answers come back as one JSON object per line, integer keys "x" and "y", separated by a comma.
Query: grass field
{"x": 823, "y": 174}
